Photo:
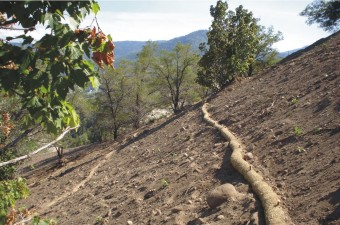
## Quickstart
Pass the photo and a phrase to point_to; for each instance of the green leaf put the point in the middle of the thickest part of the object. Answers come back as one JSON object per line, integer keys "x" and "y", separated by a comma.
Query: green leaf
{"x": 95, "y": 8}
{"x": 26, "y": 60}
{"x": 48, "y": 17}
{"x": 89, "y": 65}
{"x": 59, "y": 13}
{"x": 86, "y": 48}
{"x": 73, "y": 51}
{"x": 57, "y": 68}
{"x": 66, "y": 39}
{"x": 79, "y": 76}
{"x": 34, "y": 102}
{"x": 43, "y": 89}
{"x": 27, "y": 40}
{"x": 94, "y": 82}
{"x": 73, "y": 118}
{"x": 109, "y": 37}
{"x": 9, "y": 38}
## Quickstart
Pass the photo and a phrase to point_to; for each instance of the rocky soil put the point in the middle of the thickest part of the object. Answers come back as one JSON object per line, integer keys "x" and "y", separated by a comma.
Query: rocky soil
{"x": 178, "y": 171}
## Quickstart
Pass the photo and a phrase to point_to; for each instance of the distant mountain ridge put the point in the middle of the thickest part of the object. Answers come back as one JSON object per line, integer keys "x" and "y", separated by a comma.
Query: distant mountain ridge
{"x": 129, "y": 49}
{"x": 287, "y": 53}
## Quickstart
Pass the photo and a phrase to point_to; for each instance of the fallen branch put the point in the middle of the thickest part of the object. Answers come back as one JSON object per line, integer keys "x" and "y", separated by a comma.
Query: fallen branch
{"x": 68, "y": 129}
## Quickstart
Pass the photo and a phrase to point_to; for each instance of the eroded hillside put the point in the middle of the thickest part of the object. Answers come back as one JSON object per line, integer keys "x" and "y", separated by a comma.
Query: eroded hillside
{"x": 288, "y": 118}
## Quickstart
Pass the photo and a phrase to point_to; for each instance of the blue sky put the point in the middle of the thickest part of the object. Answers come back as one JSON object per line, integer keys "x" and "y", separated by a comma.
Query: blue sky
{"x": 142, "y": 20}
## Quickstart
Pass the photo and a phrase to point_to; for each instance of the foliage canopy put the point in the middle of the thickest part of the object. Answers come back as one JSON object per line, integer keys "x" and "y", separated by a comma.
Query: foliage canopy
{"x": 42, "y": 72}
{"x": 235, "y": 44}
{"x": 324, "y": 13}
{"x": 175, "y": 73}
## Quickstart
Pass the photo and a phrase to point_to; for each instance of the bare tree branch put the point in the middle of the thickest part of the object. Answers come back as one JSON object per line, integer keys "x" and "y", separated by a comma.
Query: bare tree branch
{"x": 68, "y": 129}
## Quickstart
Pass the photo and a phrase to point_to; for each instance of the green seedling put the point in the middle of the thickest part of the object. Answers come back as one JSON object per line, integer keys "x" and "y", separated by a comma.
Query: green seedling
{"x": 297, "y": 131}
{"x": 294, "y": 100}
{"x": 99, "y": 219}
{"x": 165, "y": 183}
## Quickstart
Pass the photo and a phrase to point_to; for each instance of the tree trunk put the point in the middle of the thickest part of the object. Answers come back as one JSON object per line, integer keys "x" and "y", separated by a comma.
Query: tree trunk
{"x": 115, "y": 133}
{"x": 250, "y": 70}
{"x": 138, "y": 114}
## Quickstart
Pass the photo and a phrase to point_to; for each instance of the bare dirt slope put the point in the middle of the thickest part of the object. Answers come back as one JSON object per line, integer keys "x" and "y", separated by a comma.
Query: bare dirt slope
{"x": 288, "y": 118}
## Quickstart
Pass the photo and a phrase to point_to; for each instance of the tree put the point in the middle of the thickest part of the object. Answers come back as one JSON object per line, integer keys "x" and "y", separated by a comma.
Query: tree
{"x": 84, "y": 103}
{"x": 324, "y": 13}
{"x": 176, "y": 71}
{"x": 141, "y": 78}
{"x": 42, "y": 73}
{"x": 265, "y": 54}
{"x": 232, "y": 42}
{"x": 113, "y": 98}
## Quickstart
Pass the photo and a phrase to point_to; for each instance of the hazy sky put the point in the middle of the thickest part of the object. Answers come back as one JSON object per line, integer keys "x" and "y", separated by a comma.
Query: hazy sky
{"x": 142, "y": 20}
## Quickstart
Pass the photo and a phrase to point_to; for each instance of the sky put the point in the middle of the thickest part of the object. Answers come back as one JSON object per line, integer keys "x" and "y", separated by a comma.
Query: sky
{"x": 143, "y": 20}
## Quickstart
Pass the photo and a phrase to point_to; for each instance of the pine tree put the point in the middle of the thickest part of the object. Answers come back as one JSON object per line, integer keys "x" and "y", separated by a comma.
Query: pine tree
{"x": 231, "y": 47}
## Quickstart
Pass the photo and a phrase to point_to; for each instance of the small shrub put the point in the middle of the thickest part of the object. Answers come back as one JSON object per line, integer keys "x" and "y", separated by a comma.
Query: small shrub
{"x": 10, "y": 192}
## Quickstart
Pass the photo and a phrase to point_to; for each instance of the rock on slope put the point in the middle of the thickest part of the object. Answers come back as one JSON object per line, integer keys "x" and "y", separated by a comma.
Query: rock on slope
{"x": 288, "y": 118}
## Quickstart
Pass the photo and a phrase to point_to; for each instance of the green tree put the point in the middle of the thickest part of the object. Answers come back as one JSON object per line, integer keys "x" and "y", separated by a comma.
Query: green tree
{"x": 43, "y": 72}
{"x": 265, "y": 54}
{"x": 113, "y": 99}
{"x": 324, "y": 13}
{"x": 40, "y": 74}
{"x": 141, "y": 78}
{"x": 84, "y": 102}
{"x": 231, "y": 47}
{"x": 176, "y": 73}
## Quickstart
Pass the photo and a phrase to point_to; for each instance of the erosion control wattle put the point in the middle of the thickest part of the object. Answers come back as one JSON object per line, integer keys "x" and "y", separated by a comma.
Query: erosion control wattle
{"x": 274, "y": 213}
